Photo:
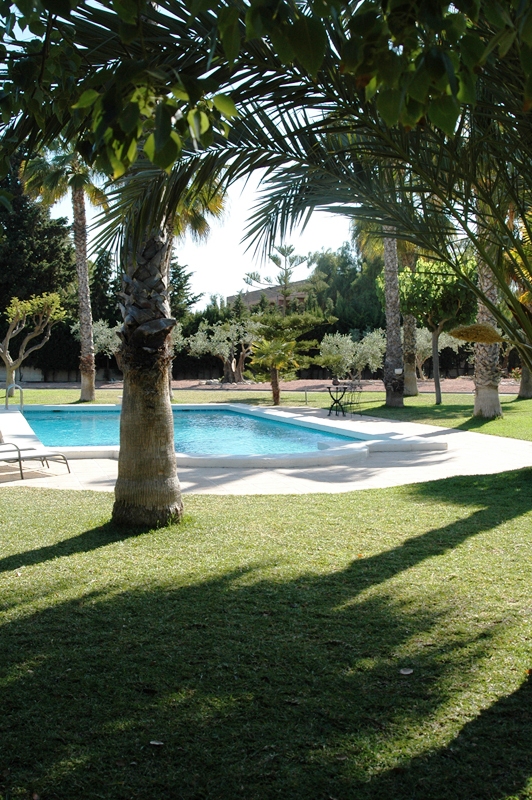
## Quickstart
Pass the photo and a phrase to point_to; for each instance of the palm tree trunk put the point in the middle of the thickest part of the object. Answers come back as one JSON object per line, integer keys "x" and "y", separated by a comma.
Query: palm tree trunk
{"x": 525, "y": 387}
{"x": 393, "y": 362}
{"x": 436, "y": 364}
{"x": 487, "y": 373}
{"x": 409, "y": 352}
{"x": 276, "y": 390}
{"x": 147, "y": 491}
{"x": 86, "y": 361}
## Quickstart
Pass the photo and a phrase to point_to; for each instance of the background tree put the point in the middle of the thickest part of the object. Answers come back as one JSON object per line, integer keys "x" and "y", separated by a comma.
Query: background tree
{"x": 439, "y": 301}
{"x": 281, "y": 348}
{"x": 104, "y": 288}
{"x": 230, "y": 341}
{"x": 51, "y": 176}
{"x": 36, "y": 316}
{"x": 424, "y": 347}
{"x": 393, "y": 361}
{"x": 370, "y": 351}
{"x": 286, "y": 261}
{"x": 346, "y": 357}
{"x": 343, "y": 283}
{"x": 106, "y": 340}
{"x": 182, "y": 298}
{"x": 368, "y": 238}
{"x": 36, "y": 254}
{"x": 337, "y": 354}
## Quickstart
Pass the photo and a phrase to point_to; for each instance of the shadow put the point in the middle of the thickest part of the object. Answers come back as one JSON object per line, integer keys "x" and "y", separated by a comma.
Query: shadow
{"x": 241, "y": 685}
{"x": 445, "y": 412}
{"x": 86, "y": 542}
{"x": 481, "y": 490}
{"x": 494, "y": 745}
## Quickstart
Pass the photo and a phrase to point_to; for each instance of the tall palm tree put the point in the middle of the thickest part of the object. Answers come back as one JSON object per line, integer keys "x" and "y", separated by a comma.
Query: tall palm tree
{"x": 146, "y": 210}
{"x": 393, "y": 360}
{"x": 369, "y": 241}
{"x": 51, "y": 176}
{"x": 487, "y": 373}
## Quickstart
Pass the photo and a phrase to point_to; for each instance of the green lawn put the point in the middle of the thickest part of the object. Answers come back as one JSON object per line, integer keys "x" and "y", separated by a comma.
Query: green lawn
{"x": 455, "y": 411}
{"x": 261, "y": 644}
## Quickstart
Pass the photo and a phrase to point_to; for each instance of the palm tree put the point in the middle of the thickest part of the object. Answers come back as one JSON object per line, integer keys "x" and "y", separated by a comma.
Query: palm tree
{"x": 369, "y": 242}
{"x": 393, "y": 360}
{"x": 146, "y": 209}
{"x": 51, "y": 176}
{"x": 487, "y": 373}
{"x": 275, "y": 355}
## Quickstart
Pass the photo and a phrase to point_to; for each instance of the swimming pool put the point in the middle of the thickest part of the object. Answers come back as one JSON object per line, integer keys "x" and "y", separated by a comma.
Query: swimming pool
{"x": 204, "y": 431}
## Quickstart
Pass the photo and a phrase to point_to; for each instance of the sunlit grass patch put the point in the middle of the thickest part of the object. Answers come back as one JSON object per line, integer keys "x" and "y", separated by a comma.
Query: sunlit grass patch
{"x": 256, "y": 650}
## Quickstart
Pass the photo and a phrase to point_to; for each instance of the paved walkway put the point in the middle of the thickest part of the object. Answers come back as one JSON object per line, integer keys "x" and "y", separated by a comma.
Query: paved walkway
{"x": 467, "y": 454}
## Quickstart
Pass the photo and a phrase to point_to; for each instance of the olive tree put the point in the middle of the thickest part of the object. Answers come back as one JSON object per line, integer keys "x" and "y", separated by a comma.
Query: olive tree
{"x": 36, "y": 317}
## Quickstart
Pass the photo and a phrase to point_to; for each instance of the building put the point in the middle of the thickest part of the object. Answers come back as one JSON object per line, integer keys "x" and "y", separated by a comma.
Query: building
{"x": 298, "y": 292}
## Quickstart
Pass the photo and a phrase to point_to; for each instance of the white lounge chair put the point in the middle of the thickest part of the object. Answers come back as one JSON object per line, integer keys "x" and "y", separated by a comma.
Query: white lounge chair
{"x": 12, "y": 453}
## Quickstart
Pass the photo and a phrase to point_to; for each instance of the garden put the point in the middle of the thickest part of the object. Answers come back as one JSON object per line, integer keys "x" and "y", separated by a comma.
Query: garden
{"x": 316, "y": 646}
{"x": 359, "y": 644}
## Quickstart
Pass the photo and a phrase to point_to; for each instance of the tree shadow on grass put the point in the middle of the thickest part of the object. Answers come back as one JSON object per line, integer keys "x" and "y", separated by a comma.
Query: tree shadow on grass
{"x": 241, "y": 686}
{"x": 444, "y": 414}
{"x": 93, "y": 539}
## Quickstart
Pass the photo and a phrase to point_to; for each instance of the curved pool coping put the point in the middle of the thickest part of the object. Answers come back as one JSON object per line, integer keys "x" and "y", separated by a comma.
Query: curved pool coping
{"x": 349, "y": 454}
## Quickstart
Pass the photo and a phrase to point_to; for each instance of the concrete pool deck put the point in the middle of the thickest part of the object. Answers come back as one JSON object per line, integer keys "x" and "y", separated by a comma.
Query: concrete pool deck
{"x": 467, "y": 454}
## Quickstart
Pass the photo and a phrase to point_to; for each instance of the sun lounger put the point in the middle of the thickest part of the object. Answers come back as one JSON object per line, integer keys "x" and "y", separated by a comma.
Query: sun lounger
{"x": 12, "y": 453}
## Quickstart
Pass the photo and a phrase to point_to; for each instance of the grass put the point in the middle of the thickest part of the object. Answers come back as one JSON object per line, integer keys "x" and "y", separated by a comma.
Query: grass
{"x": 455, "y": 411}
{"x": 260, "y": 643}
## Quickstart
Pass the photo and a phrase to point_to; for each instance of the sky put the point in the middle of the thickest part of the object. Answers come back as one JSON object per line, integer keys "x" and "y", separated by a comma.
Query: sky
{"x": 220, "y": 263}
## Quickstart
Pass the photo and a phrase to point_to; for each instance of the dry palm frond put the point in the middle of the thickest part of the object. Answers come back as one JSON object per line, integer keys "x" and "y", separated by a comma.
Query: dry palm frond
{"x": 479, "y": 332}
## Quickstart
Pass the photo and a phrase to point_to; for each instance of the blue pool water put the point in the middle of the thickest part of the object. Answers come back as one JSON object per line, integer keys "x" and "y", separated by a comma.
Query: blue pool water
{"x": 207, "y": 432}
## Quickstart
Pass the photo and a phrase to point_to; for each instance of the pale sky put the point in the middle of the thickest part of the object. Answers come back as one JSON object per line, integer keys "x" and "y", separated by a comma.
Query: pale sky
{"x": 220, "y": 263}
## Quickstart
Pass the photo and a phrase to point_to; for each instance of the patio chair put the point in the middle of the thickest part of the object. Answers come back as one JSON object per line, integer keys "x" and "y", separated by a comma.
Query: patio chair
{"x": 11, "y": 453}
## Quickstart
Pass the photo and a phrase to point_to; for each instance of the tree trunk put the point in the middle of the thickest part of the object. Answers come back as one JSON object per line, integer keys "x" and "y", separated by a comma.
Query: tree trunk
{"x": 10, "y": 378}
{"x": 436, "y": 365}
{"x": 245, "y": 352}
{"x": 86, "y": 361}
{"x": 525, "y": 387}
{"x": 229, "y": 372}
{"x": 487, "y": 373}
{"x": 147, "y": 490}
{"x": 276, "y": 390}
{"x": 393, "y": 361}
{"x": 409, "y": 352}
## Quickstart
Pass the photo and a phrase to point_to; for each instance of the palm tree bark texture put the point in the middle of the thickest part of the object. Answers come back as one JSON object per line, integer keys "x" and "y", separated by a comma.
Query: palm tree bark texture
{"x": 393, "y": 361}
{"x": 525, "y": 386}
{"x": 147, "y": 492}
{"x": 409, "y": 352}
{"x": 487, "y": 373}
{"x": 409, "y": 333}
{"x": 86, "y": 362}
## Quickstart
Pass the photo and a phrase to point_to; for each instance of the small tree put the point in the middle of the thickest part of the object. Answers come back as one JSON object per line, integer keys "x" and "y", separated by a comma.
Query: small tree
{"x": 180, "y": 293}
{"x": 438, "y": 300}
{"x": 231, "y": 342}
{"x": 424, "y": 347}
{"x": 106, "y": 339}
{"x": 286, "y": 261}
{"x": 276, "y": 356}
{"x": 38, "y": 315}
{"x": 343, "y": 356}
{"x": 280, "y": 350}
{"x": 370, "y": 351}
{"x": 337, "y": 353}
